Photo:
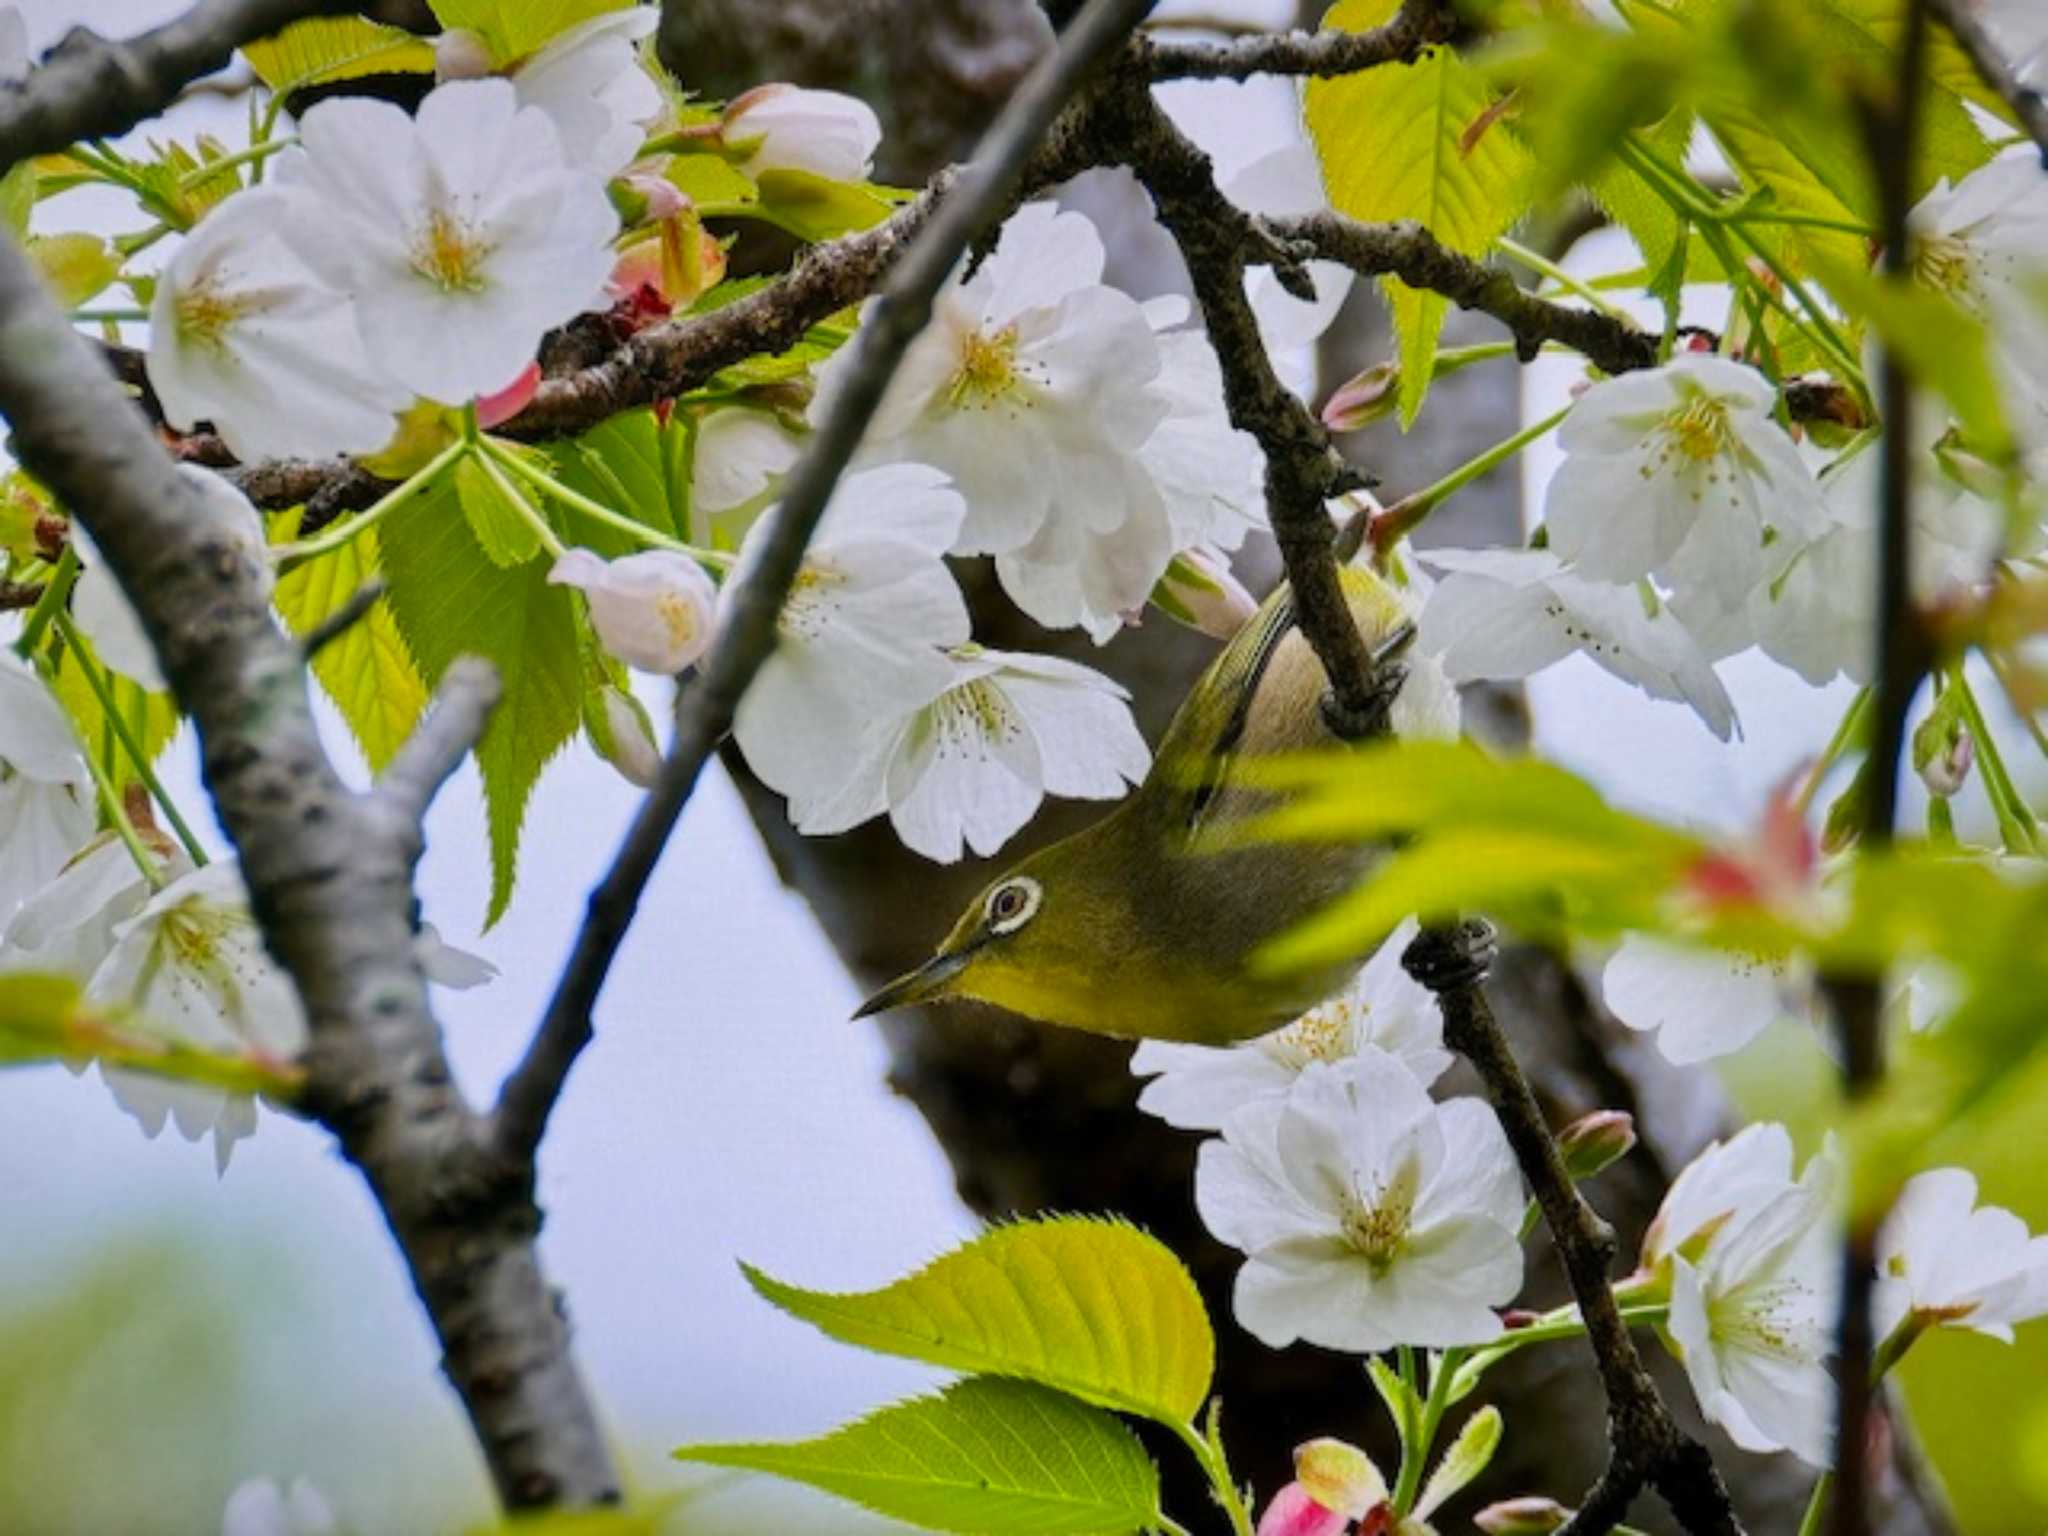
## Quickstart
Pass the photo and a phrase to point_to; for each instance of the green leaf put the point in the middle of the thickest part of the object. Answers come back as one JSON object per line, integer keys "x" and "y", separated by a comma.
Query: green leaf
{"x": 710, "y": 180}
{"x": 153, "y": 718}
{"x": 986, "y": 1457}
{"x": 513, "y": 29}
{"x": 1393, "y": 146}
{"x": 1468, "y": 1456}
{"x": 504, "y": 534}
{"x": 1094, "y": 1308}
{"x": 451, "y": 600}
{"x": 367, "y": 670}
{"x": 1943, "y": 346}
{"x": 18, "y": 195}
{"x": 626, "y": 464}
{"x": 76, "y": 266}
{"x": 816, "y": 208}
{"x": 322, "y": 50}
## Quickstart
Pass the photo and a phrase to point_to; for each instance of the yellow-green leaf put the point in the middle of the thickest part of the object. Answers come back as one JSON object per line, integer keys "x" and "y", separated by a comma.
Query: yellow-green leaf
{"x": 324, "y": 49}
{"x": 76, "y": 266}
{"x": 815, "y": 208}
{"x": 1412, "y": 142}
{"x": 152, "y": 718}
{"x": 1094, "y": 1308}
{"x": 513, "y": 29}
{"x": 986, "y": 1457}
{"x": 505, "y": 535}
{"x": 367, "y": 670}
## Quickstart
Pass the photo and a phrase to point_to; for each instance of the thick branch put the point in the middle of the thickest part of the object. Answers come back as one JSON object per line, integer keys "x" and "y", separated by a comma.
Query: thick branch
{"x": 748, "y": 633}
{"x": 1647, "y": 1445}
{"x": 2028, "y": 105}
{"x": 1419, "y": 23}
{"x": 90, "y": 88}
{"x": 330, "y": 877}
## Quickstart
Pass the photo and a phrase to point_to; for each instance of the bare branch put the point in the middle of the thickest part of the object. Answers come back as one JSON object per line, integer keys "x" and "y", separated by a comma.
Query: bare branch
{"x": 463, "y": 701}
{"x": 1418, "y": 23}
{"x": 2028, "y": 104}
{"x": 704, "y": 713}
{"x": 90, "y": 88}
{"x": 1647, "y": 1446}
{"x": 343, "y": 619}
{"x": 330, "y": 879}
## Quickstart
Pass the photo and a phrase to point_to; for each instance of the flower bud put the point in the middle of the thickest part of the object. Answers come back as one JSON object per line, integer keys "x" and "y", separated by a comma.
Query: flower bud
{"x": 652, "y": 610}
{"x": 1943, "y": 750}
{"x": 501, "y": 405}
{"x": 460, "y": 54}
{"x": 1339, "y": 1476}
{"x": 1199, "y": 591}
{"x": 619, "y": 729}
{"x": 1593, "y": 1142}
{"x": 1363, "y": 398}
{"x": 644, "y": 198}
{"x": 784, "y": 128}
{"x": 1522, "y": 1517}
{"x": 1294, "y": 1512}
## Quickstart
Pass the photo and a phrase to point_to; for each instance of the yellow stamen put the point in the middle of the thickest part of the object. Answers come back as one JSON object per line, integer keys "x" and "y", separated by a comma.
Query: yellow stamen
{"x": 450, "y": 255}
{"x": 988, "y": 366}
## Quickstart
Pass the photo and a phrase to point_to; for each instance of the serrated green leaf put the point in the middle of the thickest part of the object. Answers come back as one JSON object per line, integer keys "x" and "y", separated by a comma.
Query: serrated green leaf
{"x": 324, "y": 49}
{"x": 624, "y": 464}
{"x": 152, "y": 718}
{"x": 1094, "y": 1308}
{"x": 1469, "y": 1455}
{"x": 513, "y": 29}
{"x": 503, "y": 534}
{"x": 1393, "y": 144}
{"x": 1650, "y": 221}
{"x": 76, "y": 266}
{"x": 1948, "y": 67}
{"x": 367, "y": 670}
{"x": 986, "y": 1457}
{"x": 451, "y": 600}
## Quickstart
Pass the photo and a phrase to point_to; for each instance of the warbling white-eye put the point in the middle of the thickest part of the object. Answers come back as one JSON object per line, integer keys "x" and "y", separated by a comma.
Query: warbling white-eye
{"x": 1143, "y": 924}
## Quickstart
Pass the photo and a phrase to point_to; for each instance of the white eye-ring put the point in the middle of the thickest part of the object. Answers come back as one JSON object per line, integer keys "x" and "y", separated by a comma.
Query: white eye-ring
{"x": 1013, "y": 904}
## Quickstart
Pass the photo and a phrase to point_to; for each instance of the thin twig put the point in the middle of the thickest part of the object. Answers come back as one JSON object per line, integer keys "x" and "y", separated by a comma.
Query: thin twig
{"x": 343, "y": 619}
{"x": 90, "y": 88}
{"x": 1417, "y": 24}
{"x": 2027, "y": 103}
{"x": 463, "y": 701}
{"x": 748, "y": 634}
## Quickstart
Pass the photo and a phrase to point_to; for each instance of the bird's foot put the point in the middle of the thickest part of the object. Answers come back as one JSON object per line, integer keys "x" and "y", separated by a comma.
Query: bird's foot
{"x": 1451, "y": 958}
{"x": 1373, "y": 717}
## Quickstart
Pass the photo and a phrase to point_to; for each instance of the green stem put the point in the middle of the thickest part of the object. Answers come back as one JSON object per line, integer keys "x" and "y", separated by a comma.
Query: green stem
{"x": 240, "y": 157}
{"x": 53, "y": 598}
{"x": 1543, "y": 265}
{"x": 1409, "y": 513}
{"x": 2006, "y": 685}
{"x": 110, "y": 801}
{"x": 1209, "y": 1452}
{"x": 516, "y": 498}
{"x": 2016, "y": 822}
{"x": 1415, "y": 1454}
{"x": 548, "y": 485}
{"x": 1846, "y": 731}
{"x": 1816, "y": 1507}
{"x": 1889, "y": 1354}
{"x": 1169, "y": 1526}
{"x": 296, "y": 553}
{"x": 88, "y": 316}
{"x": 125, "y": 735}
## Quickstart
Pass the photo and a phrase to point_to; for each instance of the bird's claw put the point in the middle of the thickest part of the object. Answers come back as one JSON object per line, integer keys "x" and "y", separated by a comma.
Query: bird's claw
{"x": 1451, "y": 958}
{"x": 1374, "y": 717}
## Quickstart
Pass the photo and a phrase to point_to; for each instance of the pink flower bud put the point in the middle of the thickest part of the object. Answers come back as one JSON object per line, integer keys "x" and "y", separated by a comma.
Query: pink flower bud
{"x": 461, "y": 55}
{"x": 501, "y": 405}
{"x": 644, "y": 198}
{"x": 1363, "y": 398}
{"x": 1340, "y": 1475}
{"x": 1294, "y": 1513}
{"x": 652, "y": 610}
{"x": 1522, "y": 1517}
{"x": 1200, "y": 592}
{"x": 1592, "y": 1142}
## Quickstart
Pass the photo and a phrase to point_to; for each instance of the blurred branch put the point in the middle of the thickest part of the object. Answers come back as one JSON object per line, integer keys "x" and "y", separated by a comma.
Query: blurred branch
{"x": 1967, "y": 26}
{"x": 89, "y": 88}
{"x": 748, "y": 630}
{"x": 1416, "y": 25}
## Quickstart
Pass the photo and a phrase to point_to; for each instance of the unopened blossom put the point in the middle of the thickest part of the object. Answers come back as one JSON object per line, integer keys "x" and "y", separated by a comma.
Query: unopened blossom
{"x": 1596, "y": 1141}
{"x": 244, "y": 335}
{"x": 1724, "y": 1185}
{"x": 1283, "y": 182}
{"x": 1530, "y": 1515}
{"x": 1294, "y": 1511}
{"x": 461, "y": 234}
{"x": 1947, "y": 1262}
{"x": 623, "y": 736}
{"x": 789, "y": 128}
{"x": 739, "y": 455}
{"x": 1369, "y": 1216}
{"x": 972, "y": 766}
{"x": 1680, "y": 471}
{"x": 1334, "y": 1484}
{"x": 864, "y": 633}
{"x": 264, "y": 1507}
{"x": 1199, "y": 1087}
{"x": 590, "y": 82}
{"x": 191, "y": 967}
{"x": 652, "y": 610}
{"x": 1199, "y": 590}
{"x": 1363, "y": 399}
{"x": 1509, "y": 613}
{"x": 1036, "y": 388}
{"x": 1700, "y": 1002}
{"x": 46, "y": 797}
{"x": 1752, "y": 1320}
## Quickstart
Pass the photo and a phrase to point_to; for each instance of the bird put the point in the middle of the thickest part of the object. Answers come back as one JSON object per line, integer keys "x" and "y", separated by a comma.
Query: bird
{"x": 1144, "y": 923}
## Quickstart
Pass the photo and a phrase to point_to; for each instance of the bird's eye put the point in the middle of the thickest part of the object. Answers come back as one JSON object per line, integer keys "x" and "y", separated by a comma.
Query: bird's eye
{"x": 1012, "y": 904}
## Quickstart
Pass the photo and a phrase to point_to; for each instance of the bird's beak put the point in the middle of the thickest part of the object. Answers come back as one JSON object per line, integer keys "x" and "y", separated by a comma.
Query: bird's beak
{"x": 930, "y": 980}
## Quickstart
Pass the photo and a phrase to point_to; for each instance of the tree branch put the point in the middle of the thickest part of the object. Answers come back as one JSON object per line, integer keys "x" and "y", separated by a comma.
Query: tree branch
{"x": 463, "y": 701}
{"x": 90, "y": 88}
{"x": 748, "y": 632}
{"x": 330, "y": 880}
{"x": 2027, "y": 104}
{"x": 1647, "y": 1446}
{"x": 1417, "y": 24}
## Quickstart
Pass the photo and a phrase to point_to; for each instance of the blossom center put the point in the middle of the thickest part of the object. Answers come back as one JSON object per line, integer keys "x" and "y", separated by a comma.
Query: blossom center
{"x": 205, "y": 315}
{"x": 1322, "y": 1034}
{"x": 1700, "y": 430}
{"x": 972, "y": 714}
{"x": 1764, "y": 1319}
{"x": 1377, "y": 1226}
{"x": 1942, "y": 262}
{"x": 809, "y": 606}
{"x": 987, "y": 367}
{"x": 448, "y": 253}
{"x": 678, "y": 616}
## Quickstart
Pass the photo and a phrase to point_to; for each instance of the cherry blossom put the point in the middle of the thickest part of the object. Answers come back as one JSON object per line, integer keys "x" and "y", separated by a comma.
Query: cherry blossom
{"x": 739, "y": 455}
{"x": 652, "y": 610}
{"x": 1287, "y": 181}
{"x": 1701, "y": 1003}
{"x": 1947, "y": 1262}
{"x": 590, "y": 82}
{"x": 787, "y": 128}
{"x": 46, "y": 802}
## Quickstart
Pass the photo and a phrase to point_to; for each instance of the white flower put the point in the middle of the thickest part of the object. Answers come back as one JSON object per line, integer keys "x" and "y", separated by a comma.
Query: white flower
{"x": 1951, "y": 1263}
{"x": 260, "y": 1507}
{"x": 191, "y": 967}
{"x": 242, "y": 334}
{"x": 738, "y": 455}
{"x": 1212, "y": 476}
{"x": 974, "y": 764}
{"x": 1507, "y": 613}
{"x": 1369, "y": 1216}
{"x": 786, "y": 128}
{"x": 590, "y": 82}
{"x": 1752, "y": 1320}
{"x": 1701, "y": 1002}
{"x": 864, "y": 634}
{"x": 622, "y": 735}
{"x": 1035, "y": 388}
{"x": 1727, "y": 1184}
{"x": 1199, "y": 590}
{"x": 651, "y": 610}
{"x": 68, "y": 926}
{"x": 1679, "y": 471}
{"x": 1289, "y": 180}
{"x": 1984, "y": 242}
{"x": 1199, "y": 1087}
{"x": 461, "y": 235}
{"x": 46, "y": 800}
